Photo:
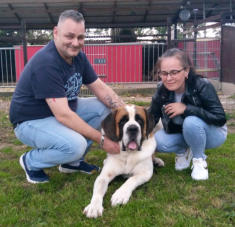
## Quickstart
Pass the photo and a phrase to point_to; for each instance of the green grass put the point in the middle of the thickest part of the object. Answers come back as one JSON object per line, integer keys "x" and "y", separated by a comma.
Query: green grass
{"x": 232, "y": 97}
{"x": 230, "y": 116}
{"x": 139, "y": 103}
{"x": 170, "y": 198}
{"x": 145, "y": 92}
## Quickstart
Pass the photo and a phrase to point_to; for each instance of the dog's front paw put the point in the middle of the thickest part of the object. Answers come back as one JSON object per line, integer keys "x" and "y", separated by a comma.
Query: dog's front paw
{"x": 158, "y": 162}
{"x": 120, "y": 197}
{"x": 93, "y": 210}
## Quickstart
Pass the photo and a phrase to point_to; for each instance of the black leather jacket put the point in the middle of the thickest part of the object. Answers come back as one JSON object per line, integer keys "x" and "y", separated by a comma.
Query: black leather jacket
{"x": 200, "y": 98}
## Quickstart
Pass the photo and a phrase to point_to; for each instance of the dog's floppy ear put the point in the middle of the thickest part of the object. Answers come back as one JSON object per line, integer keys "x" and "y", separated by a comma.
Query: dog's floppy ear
{"x": 109, "y": 126}
{"x": 150, "y": 122}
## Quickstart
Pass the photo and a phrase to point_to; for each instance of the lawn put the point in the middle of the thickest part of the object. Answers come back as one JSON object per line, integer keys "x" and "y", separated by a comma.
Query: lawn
{"x": 170, "y": 199}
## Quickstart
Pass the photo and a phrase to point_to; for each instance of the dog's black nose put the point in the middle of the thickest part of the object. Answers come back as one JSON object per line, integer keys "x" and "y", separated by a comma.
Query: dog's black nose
{"x": 132, "y": 130}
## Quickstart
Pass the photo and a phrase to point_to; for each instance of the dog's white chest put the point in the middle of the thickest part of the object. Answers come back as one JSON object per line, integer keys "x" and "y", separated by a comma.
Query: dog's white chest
{"x": 127, "y": 162}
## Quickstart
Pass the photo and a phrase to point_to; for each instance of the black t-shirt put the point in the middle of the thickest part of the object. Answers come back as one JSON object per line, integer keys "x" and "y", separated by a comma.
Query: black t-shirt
{"x": 48, "y": 75}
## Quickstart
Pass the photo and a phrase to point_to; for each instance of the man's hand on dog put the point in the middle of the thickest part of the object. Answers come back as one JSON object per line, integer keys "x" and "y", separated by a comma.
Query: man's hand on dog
{"x": 110, "y": 146}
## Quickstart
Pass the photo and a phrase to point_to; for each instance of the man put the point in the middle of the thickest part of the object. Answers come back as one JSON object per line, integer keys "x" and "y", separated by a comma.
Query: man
{"x": 46, "y": 112}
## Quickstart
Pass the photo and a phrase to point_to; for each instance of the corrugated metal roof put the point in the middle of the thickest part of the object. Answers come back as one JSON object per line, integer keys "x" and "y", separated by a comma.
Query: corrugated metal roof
{"x": 40, "y": 14}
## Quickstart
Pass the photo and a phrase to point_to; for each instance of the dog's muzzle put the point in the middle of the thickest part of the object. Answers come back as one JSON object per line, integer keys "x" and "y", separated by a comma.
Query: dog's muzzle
{"x": 132, "y": 132}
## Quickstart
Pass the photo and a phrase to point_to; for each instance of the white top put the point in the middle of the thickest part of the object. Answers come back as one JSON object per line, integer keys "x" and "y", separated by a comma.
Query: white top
{"x": 178, "y": 119}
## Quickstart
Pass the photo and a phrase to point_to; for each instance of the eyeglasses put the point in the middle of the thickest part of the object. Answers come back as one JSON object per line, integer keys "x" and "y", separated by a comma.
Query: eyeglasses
{"x": 172, "y": 73}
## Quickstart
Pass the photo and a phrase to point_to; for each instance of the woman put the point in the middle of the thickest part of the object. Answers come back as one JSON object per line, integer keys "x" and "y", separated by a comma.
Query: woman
{"x": 192, "y": 116}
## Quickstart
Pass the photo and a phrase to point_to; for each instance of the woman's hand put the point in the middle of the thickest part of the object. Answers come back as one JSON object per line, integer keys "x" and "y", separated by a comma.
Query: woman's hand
{"x": 175, "y": 109}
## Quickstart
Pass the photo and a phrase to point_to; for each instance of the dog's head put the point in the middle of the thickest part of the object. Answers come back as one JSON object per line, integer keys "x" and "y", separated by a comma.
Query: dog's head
{"x": 129, "y": 124}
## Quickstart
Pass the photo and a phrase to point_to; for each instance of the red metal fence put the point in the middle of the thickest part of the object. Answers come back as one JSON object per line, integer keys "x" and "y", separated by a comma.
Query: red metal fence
{"x": 132, "y": 62}
{"x": 121, "y": 63}
{"x": 207, "y": 58}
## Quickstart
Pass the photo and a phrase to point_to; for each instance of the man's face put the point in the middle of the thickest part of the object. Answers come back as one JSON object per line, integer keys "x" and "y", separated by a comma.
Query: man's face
{"x": 69, "y": 38}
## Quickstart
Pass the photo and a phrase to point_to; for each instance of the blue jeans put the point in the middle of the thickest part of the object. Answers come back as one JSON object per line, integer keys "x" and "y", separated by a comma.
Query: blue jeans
{"x": 197, "y": 135}
{"x": 53, "y": 143}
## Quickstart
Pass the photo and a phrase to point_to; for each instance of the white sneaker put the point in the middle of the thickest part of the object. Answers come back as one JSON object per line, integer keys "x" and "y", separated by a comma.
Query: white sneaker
{"x": 183, "y": 161}
{"x": 199, "y": 169}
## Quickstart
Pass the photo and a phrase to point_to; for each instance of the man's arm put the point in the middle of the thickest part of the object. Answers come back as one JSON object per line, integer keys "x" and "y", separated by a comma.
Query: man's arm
{"x": 63, "y": 114}
{"x": 105, "y": 94}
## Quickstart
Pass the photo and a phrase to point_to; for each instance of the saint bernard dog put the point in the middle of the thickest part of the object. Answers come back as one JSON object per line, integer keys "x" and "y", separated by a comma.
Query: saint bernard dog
{"x": 132, "y": 127}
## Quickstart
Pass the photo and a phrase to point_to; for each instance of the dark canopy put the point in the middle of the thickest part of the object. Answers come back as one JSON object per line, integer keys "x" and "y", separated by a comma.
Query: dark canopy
{"x": 43, "y": 14}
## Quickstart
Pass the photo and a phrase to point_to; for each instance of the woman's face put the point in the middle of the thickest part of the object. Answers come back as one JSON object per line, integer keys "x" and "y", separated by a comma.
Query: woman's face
{"x": 173, "y": 74}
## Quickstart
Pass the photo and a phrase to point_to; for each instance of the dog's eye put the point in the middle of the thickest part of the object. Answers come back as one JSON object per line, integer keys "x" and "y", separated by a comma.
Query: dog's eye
{"x": 139, "y": 119}
{"x": 123, "y": 120}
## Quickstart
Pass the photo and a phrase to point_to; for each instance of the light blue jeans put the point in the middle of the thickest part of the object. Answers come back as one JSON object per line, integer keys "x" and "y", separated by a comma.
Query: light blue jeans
{"x": 54, "y": 143}
{"x": 197, "y": 135}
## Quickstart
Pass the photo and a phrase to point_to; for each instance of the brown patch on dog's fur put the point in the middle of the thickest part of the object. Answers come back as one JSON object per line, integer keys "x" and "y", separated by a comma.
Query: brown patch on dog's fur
{"x": 121, "y": 112}
{"x": 141, "y": 111}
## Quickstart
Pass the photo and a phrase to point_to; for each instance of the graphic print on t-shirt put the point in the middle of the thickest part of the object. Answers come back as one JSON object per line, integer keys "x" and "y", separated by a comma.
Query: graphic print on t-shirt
{"x": 73, "y": 85}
